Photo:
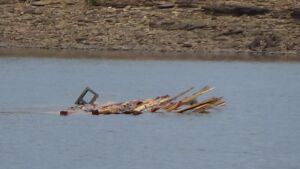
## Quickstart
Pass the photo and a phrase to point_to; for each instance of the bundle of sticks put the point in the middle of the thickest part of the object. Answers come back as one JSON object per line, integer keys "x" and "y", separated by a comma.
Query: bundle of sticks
{"x": 166, "y": 103}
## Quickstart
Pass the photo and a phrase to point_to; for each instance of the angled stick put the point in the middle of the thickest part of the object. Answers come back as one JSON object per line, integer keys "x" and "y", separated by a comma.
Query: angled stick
{"x": 165, "y": 102}
{"x": 197, "y": 94}
{"x": 208, "y": 101}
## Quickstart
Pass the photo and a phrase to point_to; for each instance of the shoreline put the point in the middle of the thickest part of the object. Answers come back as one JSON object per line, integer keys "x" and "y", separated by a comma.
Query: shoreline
{"x": 166, "y": 27}
{"x": 197, "y": 29}
{"x": 222, "y": 55}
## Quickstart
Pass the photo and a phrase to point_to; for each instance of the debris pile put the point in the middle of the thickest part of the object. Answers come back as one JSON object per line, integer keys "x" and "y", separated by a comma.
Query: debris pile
{"x": 166, "y": 103}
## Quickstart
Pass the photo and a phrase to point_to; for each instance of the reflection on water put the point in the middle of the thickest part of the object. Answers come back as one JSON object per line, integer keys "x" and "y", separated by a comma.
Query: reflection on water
{"x": 146, "y": 55}
{"x": 257, "y": 129}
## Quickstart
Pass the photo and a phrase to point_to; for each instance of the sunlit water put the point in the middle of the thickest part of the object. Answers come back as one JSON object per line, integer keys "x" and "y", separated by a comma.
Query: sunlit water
{"x": 259, "y": 127}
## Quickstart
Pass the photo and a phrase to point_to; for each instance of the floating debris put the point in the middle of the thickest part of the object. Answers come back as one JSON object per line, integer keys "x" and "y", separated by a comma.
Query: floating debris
{"x": 164, "y": 103}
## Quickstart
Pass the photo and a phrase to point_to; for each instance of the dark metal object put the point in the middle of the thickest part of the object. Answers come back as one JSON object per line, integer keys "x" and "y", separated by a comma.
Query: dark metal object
{"x": 64, "y": 113}
{"x": 95, "y": 112}
{"x": 81, "y": 101}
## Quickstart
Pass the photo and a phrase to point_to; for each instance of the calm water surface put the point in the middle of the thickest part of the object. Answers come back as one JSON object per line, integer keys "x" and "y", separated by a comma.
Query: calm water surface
{"x": 259, "y": 128}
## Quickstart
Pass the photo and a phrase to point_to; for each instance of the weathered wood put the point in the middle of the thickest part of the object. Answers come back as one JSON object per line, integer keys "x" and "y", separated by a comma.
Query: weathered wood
{"x": 208, "y": 101}
{"x": 174, "y": 106}
{"x": 165, "y": 103}
{"x": 197, "y": 94}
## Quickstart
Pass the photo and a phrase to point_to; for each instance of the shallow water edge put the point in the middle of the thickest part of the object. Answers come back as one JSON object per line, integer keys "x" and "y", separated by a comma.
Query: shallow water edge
{"x": 230, "y": 55}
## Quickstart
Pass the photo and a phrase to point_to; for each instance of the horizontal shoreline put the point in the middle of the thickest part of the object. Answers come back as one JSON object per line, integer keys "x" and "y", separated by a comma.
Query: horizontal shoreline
{"x": 220, "y": 55}
{"x": 150, "y": 32}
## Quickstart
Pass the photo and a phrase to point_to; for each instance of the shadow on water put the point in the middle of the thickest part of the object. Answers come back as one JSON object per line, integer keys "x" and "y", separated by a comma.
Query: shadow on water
{"x": 228, "y": 55}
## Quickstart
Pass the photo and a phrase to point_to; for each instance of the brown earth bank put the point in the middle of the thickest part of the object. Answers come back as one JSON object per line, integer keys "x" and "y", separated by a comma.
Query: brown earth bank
{"x": 145, "y": 25}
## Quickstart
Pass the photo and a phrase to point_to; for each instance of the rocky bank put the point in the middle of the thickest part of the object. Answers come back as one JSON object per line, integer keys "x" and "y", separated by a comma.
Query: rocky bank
{"x": 174, "y": 25}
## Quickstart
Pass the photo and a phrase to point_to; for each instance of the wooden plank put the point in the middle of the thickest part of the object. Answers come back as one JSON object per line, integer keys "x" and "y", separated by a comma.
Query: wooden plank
{"x": 211, "y": 100}
{"x": 197, "y": 94}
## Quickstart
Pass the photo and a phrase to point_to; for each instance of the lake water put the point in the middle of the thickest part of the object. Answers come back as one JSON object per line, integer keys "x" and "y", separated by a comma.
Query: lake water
{"x": 259, "y": 127}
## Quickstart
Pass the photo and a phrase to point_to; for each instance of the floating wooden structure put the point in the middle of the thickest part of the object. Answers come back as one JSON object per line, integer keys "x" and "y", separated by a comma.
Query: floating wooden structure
{"x": 180, "y": 103}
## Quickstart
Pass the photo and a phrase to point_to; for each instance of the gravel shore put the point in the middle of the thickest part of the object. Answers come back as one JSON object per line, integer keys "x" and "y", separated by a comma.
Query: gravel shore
{"x": 160, "y": 26}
